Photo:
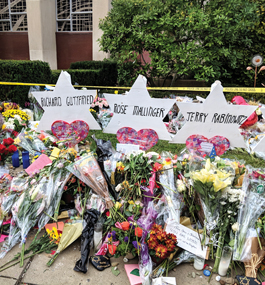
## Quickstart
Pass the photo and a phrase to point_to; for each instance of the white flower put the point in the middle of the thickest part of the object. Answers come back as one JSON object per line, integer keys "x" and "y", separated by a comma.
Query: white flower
{"x": 235, "y": 227}
{"x": 9, "y": 126}
{"x": 181, "y": 186}
{"x": 18, "y": 118}
{"x": 229, "y": 212}
{"x": 11, "y": 121}
{"x": 134, "y": 153}
{"x": 222, "y": 202}
{"x": 33, "y": 181}
{"x": 60, "y": 165}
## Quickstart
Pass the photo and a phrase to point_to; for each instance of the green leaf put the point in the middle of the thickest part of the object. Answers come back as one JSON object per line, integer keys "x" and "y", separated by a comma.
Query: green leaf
{"x": 135, "y": 272}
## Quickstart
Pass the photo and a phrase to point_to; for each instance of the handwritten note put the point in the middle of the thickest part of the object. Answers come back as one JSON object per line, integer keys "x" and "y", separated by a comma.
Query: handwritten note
{"x": 125, "y": 148}
{"x": 206, "y": 147}
{"x": 38, "y": 164}
{"x": 187, "y": 239}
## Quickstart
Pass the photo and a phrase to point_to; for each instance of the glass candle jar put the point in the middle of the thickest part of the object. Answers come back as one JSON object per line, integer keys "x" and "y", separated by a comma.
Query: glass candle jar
{"x": 15, "y": 159}
{"x": 225, "y": 261}
{"x": 198, "y": 263}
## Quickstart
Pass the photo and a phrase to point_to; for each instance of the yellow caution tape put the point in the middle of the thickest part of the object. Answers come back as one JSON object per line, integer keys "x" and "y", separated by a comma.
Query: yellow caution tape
{"x": 226, "y": 89}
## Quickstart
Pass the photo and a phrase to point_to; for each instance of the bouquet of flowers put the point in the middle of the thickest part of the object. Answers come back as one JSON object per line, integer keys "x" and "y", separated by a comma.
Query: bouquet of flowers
{"x": 15, "y": 119}
{"x": 209, "y": 182}
{"x": 230, "y": 201}
{"x": 7, "y": 148}
{"x": 99, "y": 103}
{"x": 30, "y": 141}
{"x": 251, "y": 208}
{"x": 88, "y": 170}
{"x": 160, "y": 243}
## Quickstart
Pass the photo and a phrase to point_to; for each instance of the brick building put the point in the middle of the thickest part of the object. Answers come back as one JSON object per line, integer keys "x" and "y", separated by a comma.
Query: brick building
{"x": 56, "y": 31}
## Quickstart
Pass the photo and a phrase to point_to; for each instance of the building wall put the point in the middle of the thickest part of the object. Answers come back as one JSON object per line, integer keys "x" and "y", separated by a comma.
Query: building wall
{"x": 72, "y": 47}
{"x": 14, "y": 45}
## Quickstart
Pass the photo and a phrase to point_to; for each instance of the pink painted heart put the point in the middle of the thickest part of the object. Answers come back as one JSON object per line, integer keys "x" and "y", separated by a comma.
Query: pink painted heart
{"x": 72, "y": 133}
{"x": 220, "y": 143}
{"x": 145, "y": 138}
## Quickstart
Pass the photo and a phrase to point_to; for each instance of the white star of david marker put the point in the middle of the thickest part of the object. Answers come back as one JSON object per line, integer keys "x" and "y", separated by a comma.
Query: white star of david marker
{"x": 260, "y": 147}
{"x": 214, "y": 117}
{"x": 66, "y": 103}
{"x": 138, "y": 110}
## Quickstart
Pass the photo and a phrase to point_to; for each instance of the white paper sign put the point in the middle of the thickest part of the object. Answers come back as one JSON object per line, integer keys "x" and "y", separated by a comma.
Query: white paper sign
{"x": 214, "y": 117}
{"x": 138, "y": 110}
{"x": 66, "y": 103}
{"x": 206, "y": 147}
{"x": 187, "y": 239}
{"x": 125, "y": 148}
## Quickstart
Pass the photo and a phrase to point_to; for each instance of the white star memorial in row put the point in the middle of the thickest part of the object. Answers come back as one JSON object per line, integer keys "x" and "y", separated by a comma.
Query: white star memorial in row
{"x": 66, "y": 103}
{"x": 214, "y": 117}
{"x": 138, "y": 110}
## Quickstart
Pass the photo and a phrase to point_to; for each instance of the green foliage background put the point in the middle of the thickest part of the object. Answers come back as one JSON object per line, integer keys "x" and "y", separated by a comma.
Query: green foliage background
{"x": 205, "y": 40}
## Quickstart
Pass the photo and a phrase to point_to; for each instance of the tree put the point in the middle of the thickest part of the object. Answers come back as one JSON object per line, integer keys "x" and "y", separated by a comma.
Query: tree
{"x": 207, "y": 40}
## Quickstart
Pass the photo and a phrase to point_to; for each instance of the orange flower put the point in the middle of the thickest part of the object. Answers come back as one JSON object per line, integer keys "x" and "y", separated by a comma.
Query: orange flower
{"x": 112, "y": 248}
{"x": 138, "y": 232}
{"x": 125, "y": 226}
{"x": 158, "y": 166}
{"x": 161, "y": 235}
{"x": 161, "y": 251}
{"x": 172, "y": 237}
{"x": 170, "y": 245}
{"x": 152, "y": 244}
{"x": 156, "y": 228}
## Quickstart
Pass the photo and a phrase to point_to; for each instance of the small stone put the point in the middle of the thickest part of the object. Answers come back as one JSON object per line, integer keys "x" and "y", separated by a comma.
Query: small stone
{"x": 125, "y": 259}
{"x": 198, "y": 274}
{"x": 222, "y": 282}
{"x": 175, "y": 269}
{"x": 229, "y": 280}
{"x": 193, "y": 274}
{"x": 218, "y": 278}
{"x": 113, "y": 264}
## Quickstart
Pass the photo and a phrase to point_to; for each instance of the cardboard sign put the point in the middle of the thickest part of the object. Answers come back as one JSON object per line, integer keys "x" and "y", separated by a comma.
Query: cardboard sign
{"x": 214, "y": 117}
{"x": 138, "y": 110}
{"x": 187, "y": 239}
{"x": 66, "y": 103}
{"x": 38, "y": 164}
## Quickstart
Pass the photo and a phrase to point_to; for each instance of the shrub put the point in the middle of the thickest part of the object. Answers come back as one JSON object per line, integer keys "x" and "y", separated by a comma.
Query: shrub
{"x": 26, "y": 71}
{"x": 108, "y": 70}
{"x": 81, "y": 77}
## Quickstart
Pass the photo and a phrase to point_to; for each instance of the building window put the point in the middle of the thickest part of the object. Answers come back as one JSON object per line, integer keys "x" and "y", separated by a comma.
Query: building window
{"x": 13, "y": 16}
{"x": 74, "y": 15}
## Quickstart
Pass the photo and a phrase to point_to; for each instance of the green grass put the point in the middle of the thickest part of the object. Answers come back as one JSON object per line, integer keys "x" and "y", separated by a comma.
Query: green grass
{"x": 236, "y": 154}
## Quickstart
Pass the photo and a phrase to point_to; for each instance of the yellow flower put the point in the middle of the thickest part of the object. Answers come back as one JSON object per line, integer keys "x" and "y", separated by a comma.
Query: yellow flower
{"x": 208, "y": 164}
{"x": 131, "y": 202}
{"x": 3, "y": 127}
{"x": 118, "y": 205}
{"x": 17, "y": 141}
{"x": 219, "y": 184}
{"x": 116, "y": 92}
{"x": 200, "y": 175}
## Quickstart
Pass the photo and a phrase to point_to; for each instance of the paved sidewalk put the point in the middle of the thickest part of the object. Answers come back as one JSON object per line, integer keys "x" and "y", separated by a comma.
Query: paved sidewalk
{"x": 62, "y": 273}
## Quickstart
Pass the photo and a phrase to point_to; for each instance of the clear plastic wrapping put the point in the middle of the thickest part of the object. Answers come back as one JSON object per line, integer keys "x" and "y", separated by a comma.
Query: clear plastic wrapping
{"x": 88, "y": 170}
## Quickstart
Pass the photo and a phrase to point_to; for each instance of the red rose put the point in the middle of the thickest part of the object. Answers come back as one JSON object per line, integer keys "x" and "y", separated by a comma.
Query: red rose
{"x": 12, "y": 148}
{"x": 107, "y": 213}
{"x": 2, "y": 148}
{"x": 8, "y": 141}
{"x": 125, "y": 226}
{"x": 138, "y": 232}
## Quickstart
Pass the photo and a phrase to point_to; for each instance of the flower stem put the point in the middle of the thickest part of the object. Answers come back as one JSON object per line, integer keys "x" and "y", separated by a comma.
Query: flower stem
{"x": 22, "y": 254}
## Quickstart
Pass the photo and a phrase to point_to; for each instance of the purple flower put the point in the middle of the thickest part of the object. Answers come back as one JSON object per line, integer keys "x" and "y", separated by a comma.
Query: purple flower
{"x": 136, "y": 245}
{"x": 109, "y": 235}
{"x": 126, "y": 239}
{"x": 113, "y": 235}
{"x": 130, "y": 219}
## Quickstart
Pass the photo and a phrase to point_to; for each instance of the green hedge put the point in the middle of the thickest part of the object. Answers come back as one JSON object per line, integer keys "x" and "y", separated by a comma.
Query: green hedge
{"x": 81, "y": 77}
{"x": 27, "y": 71}
{"x": 108, "y": 70}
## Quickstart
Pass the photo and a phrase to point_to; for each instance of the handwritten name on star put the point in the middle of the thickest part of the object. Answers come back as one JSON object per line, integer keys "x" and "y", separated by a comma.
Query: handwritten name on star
{"x": 140, "y": 111}
{"x": 216, "y": 118}
{"x": 69, "y": 101}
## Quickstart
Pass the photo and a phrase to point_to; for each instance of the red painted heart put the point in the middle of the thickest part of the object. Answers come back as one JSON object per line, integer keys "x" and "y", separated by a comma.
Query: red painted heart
{"x": 145, "y": 138}
{"x": 220, "y": 143}
{"x": 72, "y": 133}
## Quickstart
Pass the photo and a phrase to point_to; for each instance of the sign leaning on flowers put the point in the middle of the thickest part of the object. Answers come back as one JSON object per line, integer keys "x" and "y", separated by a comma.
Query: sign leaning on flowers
{"x": 214, "y": 117}
{"x": 66, "y": 103}
{"x": 137, "y": 110}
